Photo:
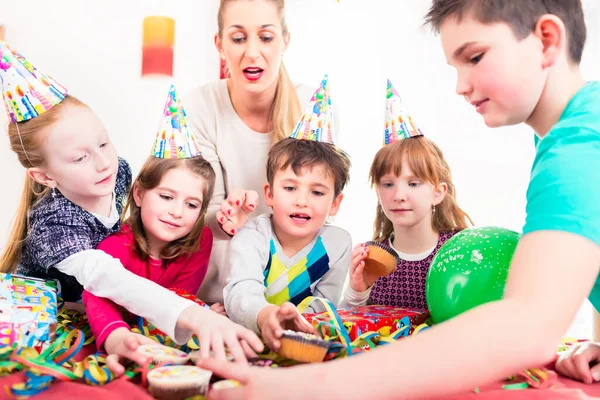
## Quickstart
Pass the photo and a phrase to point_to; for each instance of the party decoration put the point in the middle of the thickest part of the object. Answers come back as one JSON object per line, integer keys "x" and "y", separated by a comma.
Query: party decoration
{"x": 26, "y": 90}
{"x": 174, "y": 138}
{"x": 372, "y": 318}
{"x": 317, "y": 121}
{"x": 470, "y": 269}
{"x": 158, "y": 45}
{"x": 28, "y": 311}
{"x": 398, "y": 122}
{"x": 143, "y": 327}
{"x": 223, "y": 70}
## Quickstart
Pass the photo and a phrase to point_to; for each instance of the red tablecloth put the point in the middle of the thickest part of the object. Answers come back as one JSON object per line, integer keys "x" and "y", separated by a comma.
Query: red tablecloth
{"x": 121, "y": 389}
{"x": 126, "y": 390}
{"x": 565, "y": 389}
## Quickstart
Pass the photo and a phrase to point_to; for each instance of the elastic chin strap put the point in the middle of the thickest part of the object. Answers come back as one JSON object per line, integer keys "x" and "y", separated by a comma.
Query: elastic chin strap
{"x": 22, "y": 146}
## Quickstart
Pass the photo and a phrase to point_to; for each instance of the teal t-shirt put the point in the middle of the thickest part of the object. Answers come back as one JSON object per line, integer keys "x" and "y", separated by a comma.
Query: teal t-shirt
{"x": 564, "y": 191}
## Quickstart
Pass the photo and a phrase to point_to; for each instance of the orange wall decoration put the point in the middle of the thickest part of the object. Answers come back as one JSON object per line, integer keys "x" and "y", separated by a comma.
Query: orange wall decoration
{"x": 158, "y": 45}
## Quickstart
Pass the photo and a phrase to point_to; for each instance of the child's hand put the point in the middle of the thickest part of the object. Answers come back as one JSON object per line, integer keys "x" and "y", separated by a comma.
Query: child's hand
{"x": 235, "y": 209}
{"x": 123, "y": 344}
{"x": 265, "y": 383}
{"x": 215, "y": 331}
{"x": 360, "y": 280}
{"x": 219, "y": 309}
{"x": 581, "y": 362}
{"x": 272, "y": 320}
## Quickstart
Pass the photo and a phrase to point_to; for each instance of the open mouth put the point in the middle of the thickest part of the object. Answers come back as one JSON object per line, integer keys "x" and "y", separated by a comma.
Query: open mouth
{"x": 300, "y": 217}
{"x": 253, "y": 73}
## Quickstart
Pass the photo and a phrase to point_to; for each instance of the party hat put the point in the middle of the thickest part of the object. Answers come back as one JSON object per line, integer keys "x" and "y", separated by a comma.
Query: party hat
{"x": 174, "y": 139}
{"x": 398, "y": 123}
{"x": 317, "y": 121}
{"x": 26, "y": 90}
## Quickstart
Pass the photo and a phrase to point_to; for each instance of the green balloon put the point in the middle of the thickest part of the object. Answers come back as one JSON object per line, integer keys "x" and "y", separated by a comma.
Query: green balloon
{"x": 469, "y": 269}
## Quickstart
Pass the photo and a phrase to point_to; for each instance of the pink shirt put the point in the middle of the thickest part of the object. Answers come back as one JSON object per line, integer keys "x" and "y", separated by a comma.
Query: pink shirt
{"x": 185, "y": 272}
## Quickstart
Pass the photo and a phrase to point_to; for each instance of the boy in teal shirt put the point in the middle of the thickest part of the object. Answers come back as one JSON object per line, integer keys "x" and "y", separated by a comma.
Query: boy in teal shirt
{"x": 517, "y": 61}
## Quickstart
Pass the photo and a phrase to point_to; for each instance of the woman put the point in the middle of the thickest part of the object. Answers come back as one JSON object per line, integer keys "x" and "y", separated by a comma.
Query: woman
{"x": 236, "y": 120}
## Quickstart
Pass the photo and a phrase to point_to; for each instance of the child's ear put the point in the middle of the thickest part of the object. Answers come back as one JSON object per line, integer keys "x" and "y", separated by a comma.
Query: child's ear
{"x": 439, "y": 193}
{"x": 335, "y": 206}
{"x": 550, "y": 30}
{"x": 40, "y": 176}
{"x": 137, "y": 194}
{"x": 268, "y": 195}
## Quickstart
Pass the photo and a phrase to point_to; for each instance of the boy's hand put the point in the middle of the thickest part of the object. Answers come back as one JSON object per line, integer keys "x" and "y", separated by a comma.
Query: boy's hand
{"x": 272, "y": 320}
{"x": 581, "y": 362}
{"x": 215, "y": 331}
{"x": 122, "y": 344}
{"x": 235, "y": 210}
{"x": 360, "y": 280}
{"x": 219, "y": 309}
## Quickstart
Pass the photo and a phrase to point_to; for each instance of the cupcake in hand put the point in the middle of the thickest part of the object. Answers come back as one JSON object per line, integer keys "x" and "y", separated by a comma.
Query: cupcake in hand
{"x": 381, "y": 259}
{"x": 370, "y": 261}
{"x": 273, "y": 320}
{"x": 303, "y": 347}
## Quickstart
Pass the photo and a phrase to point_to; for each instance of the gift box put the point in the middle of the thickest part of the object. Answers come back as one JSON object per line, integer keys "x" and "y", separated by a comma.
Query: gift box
{"x": 384, "y": 320}
{"x": 28, "y": 311}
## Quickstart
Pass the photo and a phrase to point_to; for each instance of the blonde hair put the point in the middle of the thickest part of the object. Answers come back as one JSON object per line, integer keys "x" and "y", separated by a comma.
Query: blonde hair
{"x": 427, "y": 162}
{"x": 285, "y": 110}
{"x": 26, "y": 140}
{"x": 150, "y": 177}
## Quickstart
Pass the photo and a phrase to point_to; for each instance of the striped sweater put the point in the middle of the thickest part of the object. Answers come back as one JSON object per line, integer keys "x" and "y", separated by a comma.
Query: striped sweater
{"x": 261, "y": 274}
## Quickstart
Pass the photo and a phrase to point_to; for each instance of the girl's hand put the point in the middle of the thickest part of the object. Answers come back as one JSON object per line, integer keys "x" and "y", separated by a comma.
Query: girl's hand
{"x": 360, "y": 280}
{"x": 215, "y": 332}
{"x": 122, "y": 344}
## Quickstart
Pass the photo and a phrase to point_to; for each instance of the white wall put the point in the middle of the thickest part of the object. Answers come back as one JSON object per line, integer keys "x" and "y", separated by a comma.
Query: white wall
{"x": 94, "y": 48}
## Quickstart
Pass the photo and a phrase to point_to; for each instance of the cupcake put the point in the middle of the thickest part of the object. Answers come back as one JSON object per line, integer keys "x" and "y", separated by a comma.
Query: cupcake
{"x": 303, "y": 347}
{"x": 225, "y": 384}
{"x": 178, "y": 381}
{"x": 161, "y": 354}
{"x": 381, "y": 259}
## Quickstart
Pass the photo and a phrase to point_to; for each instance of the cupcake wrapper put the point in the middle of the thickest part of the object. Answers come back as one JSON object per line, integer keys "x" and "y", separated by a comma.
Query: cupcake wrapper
{"x": 171, "y": 393}
{"x": 178, "y": 382}
{"x": 382, "y": 260}
{"x": 301, "y": 348}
